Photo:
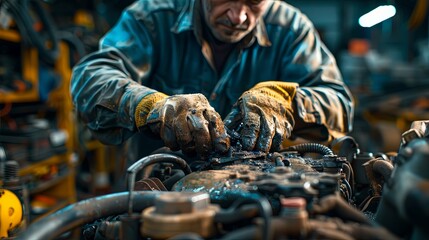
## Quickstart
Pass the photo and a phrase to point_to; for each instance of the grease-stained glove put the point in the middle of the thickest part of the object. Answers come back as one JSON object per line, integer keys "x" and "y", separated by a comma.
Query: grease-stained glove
{"x": 185, "y": 122}
{"x": 266, "y": 114}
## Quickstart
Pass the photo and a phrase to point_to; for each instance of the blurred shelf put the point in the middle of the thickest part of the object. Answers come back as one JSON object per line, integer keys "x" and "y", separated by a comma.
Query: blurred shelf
{"x": 58, "y": 169}
{"x": 49, "y": 183}
{"x": 30, "y": 73}
{"x": 9, "y": 97}
{"x": 30, "y": 168}
{"x": 10, "y": 35}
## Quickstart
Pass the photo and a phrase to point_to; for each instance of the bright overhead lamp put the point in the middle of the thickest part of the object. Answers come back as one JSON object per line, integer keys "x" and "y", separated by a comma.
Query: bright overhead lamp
{"x": 377, "y": 15}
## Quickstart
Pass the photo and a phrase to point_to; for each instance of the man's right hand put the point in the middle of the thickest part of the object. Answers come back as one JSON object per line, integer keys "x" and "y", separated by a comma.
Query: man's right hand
{"x": 187, "y": 122}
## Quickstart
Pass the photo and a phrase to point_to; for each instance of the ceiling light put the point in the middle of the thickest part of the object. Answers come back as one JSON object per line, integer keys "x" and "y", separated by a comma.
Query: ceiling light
{"x": 377, "y": 15}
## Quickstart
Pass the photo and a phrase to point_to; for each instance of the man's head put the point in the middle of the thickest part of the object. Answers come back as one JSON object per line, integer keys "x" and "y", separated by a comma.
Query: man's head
{"x": 231, "y": 20}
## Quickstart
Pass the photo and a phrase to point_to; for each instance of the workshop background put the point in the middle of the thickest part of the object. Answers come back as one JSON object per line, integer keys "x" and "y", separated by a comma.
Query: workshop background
{"x": 43, "y": 145}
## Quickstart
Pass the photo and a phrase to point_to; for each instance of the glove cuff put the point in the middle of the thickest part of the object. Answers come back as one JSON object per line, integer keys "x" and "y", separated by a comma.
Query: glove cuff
{"x": 279, "y": 90}
{"x": 145, "y": 106}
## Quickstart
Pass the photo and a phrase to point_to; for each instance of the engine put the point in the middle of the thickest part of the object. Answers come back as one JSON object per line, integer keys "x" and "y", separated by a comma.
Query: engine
{"x": 304, "y": 191}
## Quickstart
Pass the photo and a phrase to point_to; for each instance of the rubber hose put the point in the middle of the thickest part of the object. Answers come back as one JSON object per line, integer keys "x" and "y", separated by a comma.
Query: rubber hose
{"x": 169, "y": 183}
{"x": 229, "y": 216}
{"x": 147, "y": 161}
{"x": 264, "y": 206}
{"x": 311, "y": 148}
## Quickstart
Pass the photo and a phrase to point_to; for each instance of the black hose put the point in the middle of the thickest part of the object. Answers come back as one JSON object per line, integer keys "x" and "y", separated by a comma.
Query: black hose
{"x": 147, "y": 161}
{"x": 348, "y": 187}
{"x": 86, "y": 211}
{"x": 169, "y": 183}
{"x": 144, "y": 162}
{"x": 73, "y": 41}
{"x": 251, "y": 232}
{"x": 232, "y": 215}
{"x": 345, "y": 146}
{"x": 348, "y": 170}
{"x": 310, "y": 148}
{"x": 264, "y": 206}
{"x": 19, "y": 9}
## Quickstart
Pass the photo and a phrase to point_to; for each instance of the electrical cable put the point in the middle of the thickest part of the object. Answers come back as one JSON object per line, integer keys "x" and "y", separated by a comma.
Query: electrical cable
{"x": 348, "y": 169}
{"x": 349, "y": 189}
{"x": 73, "y": 41}
{"x": 20, "y": 11}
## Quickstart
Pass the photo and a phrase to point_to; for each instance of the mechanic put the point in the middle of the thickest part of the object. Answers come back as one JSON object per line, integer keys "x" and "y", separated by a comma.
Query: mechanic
{"x": 183, "y": 70}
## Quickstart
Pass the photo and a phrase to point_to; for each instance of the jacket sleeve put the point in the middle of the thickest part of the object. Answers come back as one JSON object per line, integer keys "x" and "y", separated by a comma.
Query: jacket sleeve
{"x": 324, "y": 106}
{"x": 106, "y": 85}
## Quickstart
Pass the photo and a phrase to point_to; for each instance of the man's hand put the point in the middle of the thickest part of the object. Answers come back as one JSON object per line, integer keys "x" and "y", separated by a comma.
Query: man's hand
{"x": 266, "y": 114}
{"x": 188, "y": 123}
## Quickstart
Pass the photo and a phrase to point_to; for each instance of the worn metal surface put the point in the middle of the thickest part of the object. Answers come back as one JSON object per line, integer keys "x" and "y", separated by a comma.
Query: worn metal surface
{"x": 248, "y": 175}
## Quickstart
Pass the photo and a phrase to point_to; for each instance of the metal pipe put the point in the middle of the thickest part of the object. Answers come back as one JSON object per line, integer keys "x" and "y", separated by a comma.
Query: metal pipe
{"x": 84, "y": 212}
{"x": 147, "y": 161}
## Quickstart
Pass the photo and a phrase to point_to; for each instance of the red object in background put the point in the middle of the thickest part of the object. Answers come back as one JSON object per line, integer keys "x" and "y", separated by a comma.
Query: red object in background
{"x": 359, "y": 47}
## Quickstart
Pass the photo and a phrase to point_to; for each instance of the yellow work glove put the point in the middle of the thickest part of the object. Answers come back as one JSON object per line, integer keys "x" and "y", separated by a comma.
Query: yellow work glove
{"x": 265, "y": 115}
{"x": 185, "y": 122}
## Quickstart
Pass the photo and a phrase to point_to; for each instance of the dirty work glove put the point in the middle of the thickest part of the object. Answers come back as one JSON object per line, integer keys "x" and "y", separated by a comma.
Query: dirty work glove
{"x": 265, "y": 112}
{"x": 188, "y": 123}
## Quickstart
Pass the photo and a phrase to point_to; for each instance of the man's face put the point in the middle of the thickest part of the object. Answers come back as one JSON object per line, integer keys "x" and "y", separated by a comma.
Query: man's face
{"x": 231, "y": 20}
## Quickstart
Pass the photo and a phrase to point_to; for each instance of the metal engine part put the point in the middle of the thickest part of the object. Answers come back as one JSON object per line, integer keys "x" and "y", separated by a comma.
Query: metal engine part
{"x": 404, "y": 208}
{"x": 287, "y": 173}
{"x": 178, "y": 213}
{"x": 299, "y": 193}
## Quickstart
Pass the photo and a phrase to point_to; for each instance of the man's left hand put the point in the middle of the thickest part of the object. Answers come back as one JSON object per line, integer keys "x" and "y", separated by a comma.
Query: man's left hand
{"x": 265, "y": 112}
